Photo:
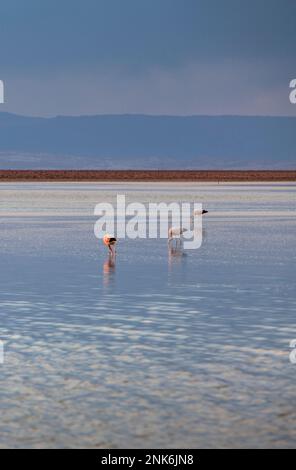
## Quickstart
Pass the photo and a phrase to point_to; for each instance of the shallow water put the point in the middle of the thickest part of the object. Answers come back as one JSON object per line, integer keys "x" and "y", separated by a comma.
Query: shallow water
{"x": 157, "y": 350}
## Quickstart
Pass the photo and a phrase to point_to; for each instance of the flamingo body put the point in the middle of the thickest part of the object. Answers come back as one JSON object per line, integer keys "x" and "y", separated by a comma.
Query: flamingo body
{"x": 109, "y": 241}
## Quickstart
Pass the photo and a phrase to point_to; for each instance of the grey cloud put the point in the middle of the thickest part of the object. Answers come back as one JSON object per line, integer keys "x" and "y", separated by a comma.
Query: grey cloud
{"x": 249, "y": 88}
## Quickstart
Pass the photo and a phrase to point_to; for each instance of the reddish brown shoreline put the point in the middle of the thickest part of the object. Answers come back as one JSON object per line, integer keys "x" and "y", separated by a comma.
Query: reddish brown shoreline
{"x": 146, "y": 175}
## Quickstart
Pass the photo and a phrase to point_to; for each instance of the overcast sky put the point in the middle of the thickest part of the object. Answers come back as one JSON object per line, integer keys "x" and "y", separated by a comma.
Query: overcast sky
{"x": 148, "y": 56}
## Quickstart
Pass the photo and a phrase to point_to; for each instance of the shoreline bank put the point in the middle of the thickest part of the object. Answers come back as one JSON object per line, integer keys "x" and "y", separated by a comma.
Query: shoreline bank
{"x": 147, "y": 175}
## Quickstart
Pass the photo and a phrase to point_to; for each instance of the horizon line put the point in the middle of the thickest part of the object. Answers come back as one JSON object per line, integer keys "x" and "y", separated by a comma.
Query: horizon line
{"x": 272, "y": 116}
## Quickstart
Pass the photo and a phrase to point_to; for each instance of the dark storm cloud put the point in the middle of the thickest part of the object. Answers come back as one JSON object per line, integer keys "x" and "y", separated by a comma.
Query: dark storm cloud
{"x": 140, "y": 33}
{"x": 156, "y": 56}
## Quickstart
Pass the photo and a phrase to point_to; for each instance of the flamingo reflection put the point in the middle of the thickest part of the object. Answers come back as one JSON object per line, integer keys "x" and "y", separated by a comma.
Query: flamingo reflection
{"x": 109, "y": 267}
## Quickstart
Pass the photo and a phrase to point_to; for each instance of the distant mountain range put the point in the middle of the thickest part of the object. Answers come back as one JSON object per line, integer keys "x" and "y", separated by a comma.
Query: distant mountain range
{"x": 147, "y": 142}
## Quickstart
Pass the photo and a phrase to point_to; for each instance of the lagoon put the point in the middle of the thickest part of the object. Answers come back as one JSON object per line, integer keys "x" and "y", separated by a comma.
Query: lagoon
{"x": 157, "y": 349}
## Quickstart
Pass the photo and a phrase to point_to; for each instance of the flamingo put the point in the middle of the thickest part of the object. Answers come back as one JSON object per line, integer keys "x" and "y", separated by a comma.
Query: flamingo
{"x": 177, "y": 232}
{"x": 110, "y": 242}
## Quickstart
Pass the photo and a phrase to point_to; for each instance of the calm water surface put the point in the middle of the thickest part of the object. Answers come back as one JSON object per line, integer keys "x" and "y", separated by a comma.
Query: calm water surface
{"x": 157, "y": 349}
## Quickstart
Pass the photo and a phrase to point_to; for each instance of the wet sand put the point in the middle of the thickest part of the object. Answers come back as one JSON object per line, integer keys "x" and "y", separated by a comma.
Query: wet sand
{"x": 147, "y": 175}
